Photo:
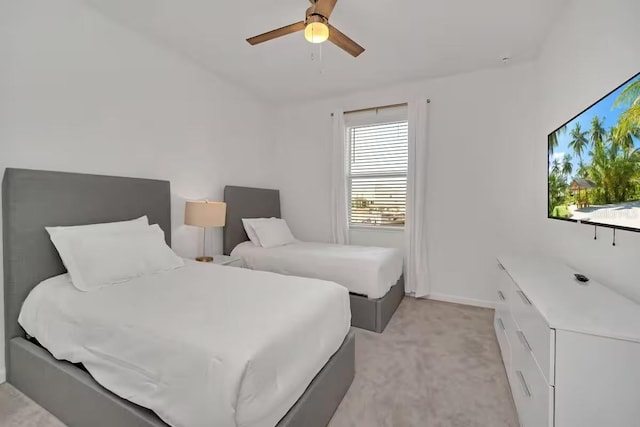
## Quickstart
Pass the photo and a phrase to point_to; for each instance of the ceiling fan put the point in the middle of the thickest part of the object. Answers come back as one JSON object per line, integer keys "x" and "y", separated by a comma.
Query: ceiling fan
{"x": 316, "y": 29}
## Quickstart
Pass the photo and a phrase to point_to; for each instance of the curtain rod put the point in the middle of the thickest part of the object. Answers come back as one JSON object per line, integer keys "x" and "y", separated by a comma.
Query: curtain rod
{"x": 382, "y": 107}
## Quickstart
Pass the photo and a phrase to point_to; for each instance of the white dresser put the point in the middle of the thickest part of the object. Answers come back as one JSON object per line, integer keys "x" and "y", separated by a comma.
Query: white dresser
{"x": 571, "y": 350}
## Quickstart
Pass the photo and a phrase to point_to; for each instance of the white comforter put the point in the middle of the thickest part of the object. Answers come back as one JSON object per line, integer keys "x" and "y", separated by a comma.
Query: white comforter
{"x": 202, "y": 345}
{"x": 364, "y": 270}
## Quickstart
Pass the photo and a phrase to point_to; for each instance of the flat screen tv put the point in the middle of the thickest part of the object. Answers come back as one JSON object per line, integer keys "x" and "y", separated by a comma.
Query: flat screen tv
{"x": 594, "y": 162}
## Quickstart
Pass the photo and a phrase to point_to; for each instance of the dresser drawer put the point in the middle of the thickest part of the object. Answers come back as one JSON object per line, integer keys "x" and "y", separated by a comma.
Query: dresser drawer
{"x": 503, "y": 341}
{"x": 504, "y": 291}
{"x": 502, "y": 321}
{"x": 504, "y": 326}
{"x": 533, "y": 334}
{"x": 533, "y": 396}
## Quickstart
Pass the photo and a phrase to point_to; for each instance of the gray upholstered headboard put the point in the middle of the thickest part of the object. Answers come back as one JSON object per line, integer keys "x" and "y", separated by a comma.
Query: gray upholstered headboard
{"x": 34, "y": 199}
{"x": 246, "y": 202}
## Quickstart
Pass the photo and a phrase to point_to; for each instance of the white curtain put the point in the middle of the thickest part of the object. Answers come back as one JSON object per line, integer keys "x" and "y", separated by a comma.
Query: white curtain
{"x": 416, "y": 268}
{"x": 339, "y": 211}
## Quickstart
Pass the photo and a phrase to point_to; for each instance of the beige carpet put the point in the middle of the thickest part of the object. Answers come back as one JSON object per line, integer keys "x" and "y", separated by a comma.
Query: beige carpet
{"x": 436, "y": 365}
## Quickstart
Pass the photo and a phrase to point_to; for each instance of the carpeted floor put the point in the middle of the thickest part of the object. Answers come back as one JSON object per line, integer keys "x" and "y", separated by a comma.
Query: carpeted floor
{"x": 436, "y": 365}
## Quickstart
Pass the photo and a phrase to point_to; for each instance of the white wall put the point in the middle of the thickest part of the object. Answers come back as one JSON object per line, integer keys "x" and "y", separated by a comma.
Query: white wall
{"x": 80, "y": 93}
{"x": 476, "y": 122}
{"x": 592, "y": 49}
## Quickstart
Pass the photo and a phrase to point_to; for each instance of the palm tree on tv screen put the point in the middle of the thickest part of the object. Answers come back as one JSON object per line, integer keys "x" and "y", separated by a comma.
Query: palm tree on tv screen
{"x": 623, "y": 136}
{"x": 567, "y": 166}
{"x": 583, "y": 169}
{"x": 597, "y": 133}
{"x": 557, "y": 190}
{"x": 614, "y": 169}
{"x": 579, "y": 140}
{"x": 553, "y": 139}
{"x": 630, "y": 97}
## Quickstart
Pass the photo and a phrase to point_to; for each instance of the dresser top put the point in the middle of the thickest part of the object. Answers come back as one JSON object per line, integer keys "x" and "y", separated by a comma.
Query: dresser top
{"x": 567, "y": 304}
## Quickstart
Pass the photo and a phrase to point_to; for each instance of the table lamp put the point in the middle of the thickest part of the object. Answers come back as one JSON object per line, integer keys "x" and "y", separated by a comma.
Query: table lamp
{"x": 205, "y": 214}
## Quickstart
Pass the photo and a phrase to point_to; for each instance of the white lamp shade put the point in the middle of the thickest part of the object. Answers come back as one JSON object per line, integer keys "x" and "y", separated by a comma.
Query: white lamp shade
{"x": 205, "y": 214}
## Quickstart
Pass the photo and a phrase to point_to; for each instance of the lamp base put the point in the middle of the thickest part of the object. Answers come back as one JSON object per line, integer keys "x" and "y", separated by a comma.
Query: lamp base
{"x": 204, "y": 259}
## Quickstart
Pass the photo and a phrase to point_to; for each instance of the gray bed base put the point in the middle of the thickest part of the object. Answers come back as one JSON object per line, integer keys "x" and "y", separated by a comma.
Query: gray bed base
{"x": 375, "y": 314}
{"x": 32, "y": 200}
{"x": 247, "y": 202}
{"x": 72, "y": 395}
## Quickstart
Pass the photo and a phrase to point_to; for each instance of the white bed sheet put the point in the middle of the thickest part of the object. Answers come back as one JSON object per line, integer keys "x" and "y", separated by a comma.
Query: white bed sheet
{"x": 202, "y": 345}
{"x": 364, "y": 270}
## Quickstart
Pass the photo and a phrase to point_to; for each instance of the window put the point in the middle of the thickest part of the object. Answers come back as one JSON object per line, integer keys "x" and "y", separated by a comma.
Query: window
{"x": 377, "y": 169}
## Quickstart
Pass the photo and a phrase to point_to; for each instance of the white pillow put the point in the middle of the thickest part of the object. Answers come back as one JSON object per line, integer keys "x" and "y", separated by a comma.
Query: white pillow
{"x": 141, "y": 223}
{"x": 274, "y": 232}
{"x": 100, "y": 259}
{"x": 253, "y": 237}
{"x": 251, "y": 233}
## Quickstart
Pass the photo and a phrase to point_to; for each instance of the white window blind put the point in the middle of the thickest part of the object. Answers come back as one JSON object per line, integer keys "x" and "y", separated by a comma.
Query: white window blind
{"x": 377, "y": 171}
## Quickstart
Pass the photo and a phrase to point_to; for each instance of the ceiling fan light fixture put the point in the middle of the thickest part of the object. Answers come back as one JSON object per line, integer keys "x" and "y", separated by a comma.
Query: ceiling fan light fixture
{"x": 316, "y": 32}
{"x": 316, "y": 29}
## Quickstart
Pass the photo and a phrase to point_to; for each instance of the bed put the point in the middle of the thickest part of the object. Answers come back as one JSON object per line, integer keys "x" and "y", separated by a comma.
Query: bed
{"x": 372, "y": 275}
{"x": 33, "y": 199}
{"x": 364, "y": 270}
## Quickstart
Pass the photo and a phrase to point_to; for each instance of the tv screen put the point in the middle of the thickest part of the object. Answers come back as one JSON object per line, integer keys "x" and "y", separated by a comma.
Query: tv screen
{"x": 594, "y": 162}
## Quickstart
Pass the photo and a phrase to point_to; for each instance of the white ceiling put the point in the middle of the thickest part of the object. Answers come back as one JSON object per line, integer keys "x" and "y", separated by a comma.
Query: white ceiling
{"x": 405, "y": 39}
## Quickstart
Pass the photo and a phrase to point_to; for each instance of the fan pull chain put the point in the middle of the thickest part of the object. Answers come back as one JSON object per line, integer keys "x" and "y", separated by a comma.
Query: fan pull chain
{"x": 319, "y": 57}
{"x": 614, "y": 237}
{"x": 595, "y": 232}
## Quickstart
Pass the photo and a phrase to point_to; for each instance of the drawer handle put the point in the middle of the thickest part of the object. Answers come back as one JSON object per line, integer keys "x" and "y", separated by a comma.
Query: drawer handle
{"x": 501, "y": 324}
{"x": 501, "y": 295}
{"x": 524, "y": 298}
{"x": 523, "y": 383}
{"x": 523, "y": 340}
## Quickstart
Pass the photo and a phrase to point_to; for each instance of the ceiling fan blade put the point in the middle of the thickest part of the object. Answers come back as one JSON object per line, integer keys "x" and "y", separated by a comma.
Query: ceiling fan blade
{"x": 325, "y": 7}
{"x": 343, "y": 42}
{"x": 293, "y": 28}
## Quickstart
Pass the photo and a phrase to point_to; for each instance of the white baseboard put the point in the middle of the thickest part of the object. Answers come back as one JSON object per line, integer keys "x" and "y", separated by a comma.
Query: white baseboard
{"x": 3, "y": 375}
{"x": 462, "y": 300}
